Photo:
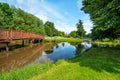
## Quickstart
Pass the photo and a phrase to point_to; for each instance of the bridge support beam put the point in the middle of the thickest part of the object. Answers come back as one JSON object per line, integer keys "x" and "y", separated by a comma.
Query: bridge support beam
{"x": 7, "y": 46}
{"x": 39, "y": 41}
{"x": 29, "y": 41}
{"x": 23, "y": 43}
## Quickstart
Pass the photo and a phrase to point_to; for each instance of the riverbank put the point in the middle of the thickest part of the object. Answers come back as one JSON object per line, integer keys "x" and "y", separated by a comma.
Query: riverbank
{"x": 62, "y": 39}
{"x": 97, "y": 43}
{"x": 115, "y": 43}
{"x": 94, "y": 64}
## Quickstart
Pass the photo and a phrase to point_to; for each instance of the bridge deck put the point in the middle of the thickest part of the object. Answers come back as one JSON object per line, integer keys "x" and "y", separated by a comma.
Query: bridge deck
{"x": 7, "y": 35}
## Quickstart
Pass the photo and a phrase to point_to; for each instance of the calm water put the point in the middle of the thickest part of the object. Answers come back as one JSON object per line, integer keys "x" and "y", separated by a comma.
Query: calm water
{"x": 38, "y": 53}
{"x": 60, "y": 51}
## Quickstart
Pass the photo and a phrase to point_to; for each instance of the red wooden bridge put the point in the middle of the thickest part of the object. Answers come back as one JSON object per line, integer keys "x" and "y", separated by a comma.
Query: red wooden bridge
{"x": 8, "y": 35}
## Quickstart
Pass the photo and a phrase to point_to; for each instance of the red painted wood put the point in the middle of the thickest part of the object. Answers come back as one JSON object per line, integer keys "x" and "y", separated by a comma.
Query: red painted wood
{"x": 7, "y": 35}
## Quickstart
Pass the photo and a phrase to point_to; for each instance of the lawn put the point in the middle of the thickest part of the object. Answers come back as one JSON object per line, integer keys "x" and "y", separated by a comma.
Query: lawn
{"x": 95, "y": 64}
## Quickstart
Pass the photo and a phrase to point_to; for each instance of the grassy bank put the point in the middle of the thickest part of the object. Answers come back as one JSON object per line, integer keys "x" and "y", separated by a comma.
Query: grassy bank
{"x": 94, "y": 64}
{"x": 107, "y": 43}
{"x": 62, "y": 39}
{"x": 26, "y": 72}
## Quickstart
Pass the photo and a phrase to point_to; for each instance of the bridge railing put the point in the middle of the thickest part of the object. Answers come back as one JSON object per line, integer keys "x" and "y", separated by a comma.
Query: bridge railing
{"x": 8, "y": 34}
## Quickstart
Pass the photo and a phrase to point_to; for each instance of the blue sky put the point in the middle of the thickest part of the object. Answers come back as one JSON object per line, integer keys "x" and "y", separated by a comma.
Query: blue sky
{"x": 64, "y": 13}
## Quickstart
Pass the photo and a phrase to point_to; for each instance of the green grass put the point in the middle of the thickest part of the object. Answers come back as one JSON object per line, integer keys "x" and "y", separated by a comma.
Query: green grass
{"x": 114, "y": 43}
{"x": 94, "y": 64}
{"x": 62, "y": 39}
{"x": 25, "y": 72}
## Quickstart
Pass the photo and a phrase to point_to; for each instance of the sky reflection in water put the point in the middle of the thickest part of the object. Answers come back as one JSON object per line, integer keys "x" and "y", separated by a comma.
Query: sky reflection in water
{"x": 60, "y": 51}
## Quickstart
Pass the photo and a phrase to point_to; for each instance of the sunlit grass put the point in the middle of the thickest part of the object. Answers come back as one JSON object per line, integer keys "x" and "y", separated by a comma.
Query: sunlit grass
{"x": 95, "y": 64}
{"x": 62, "y": 39}
{"x": 25, "y": 72}
{"x": 106, "y": 44}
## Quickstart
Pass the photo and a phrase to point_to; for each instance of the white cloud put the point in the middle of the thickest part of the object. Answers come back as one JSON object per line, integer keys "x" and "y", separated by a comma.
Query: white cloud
{"x": 87, "y": 26}
{"x": 45, "y": 10}
{"x": 50, "y": 10}
{"x": 42, "y": 9}
{"x": 64, "y": 27}
{"x": 87, "y": 23}
{"x": 42, "y": 17}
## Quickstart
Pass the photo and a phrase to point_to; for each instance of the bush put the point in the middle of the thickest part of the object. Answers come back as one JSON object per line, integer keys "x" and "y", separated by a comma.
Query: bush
{"x": 106, "y": 40}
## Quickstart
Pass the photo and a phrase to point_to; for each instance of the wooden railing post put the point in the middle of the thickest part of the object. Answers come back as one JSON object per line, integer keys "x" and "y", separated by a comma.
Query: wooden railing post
{"x": 11, "y": 34}
{"x": 7, "y": 34}
{"x": 20, "y": 34}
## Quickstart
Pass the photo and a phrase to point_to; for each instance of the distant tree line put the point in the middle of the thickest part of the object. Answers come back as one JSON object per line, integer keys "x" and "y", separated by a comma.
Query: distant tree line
{"x": 17, "y": 19}
{"x": 105, "y": 15}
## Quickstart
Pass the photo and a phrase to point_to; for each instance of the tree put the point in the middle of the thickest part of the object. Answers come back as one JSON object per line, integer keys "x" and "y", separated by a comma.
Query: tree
{"x": 18, "y": 19}
{"x": 73, "y": 34}
{"x": 60, "y": 33}
{"x": 13, "y": 18}
{"x": 49, "y": 28}
{"x": 6, "y": 16}
{"x": 88, "y": 35}
{"x": 80, "y": 30}
{"x": 105, "y": 15}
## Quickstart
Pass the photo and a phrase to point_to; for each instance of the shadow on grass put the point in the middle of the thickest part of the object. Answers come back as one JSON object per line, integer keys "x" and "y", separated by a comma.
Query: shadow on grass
{"x": 100, "y": 59}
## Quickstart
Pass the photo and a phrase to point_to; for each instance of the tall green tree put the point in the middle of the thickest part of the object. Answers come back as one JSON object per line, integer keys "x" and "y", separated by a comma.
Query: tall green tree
{"x": 49, "y": 28}
{"x": 60, "y": 33}
{"x": 73, "y": 34}
{"x": 51, "y": 31}
{"x": 6, "y": 16}
{"x": 105, "y": 15}
{"x": 80, "y": 30}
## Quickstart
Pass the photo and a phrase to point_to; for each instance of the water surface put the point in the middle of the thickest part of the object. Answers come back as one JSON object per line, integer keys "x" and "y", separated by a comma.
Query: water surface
{"x": 39, "y": 53}
{"x": 60, "y": 51}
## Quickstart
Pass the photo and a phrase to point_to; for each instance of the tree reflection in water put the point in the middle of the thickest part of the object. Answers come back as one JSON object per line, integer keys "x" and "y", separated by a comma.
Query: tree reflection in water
{"x": 78, "y": 49}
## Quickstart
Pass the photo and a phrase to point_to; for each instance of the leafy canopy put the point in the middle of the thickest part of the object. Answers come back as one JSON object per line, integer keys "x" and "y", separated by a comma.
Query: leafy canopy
{"x": 105, "y": 15}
